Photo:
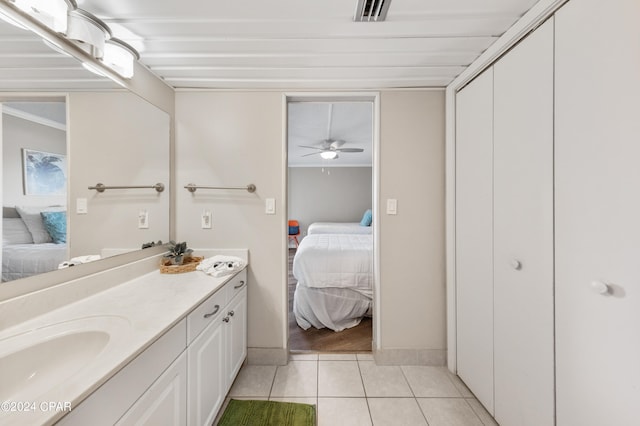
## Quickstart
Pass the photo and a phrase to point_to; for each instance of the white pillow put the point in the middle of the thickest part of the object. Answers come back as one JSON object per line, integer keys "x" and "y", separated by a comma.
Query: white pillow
{"x": 32, "y": 218}
{"x": 14, "y": 231}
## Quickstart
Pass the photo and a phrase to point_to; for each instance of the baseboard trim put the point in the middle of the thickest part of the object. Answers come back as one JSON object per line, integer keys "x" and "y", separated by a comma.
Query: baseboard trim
{"x": 267, "y": 356}
{"x": 431, "y": 357}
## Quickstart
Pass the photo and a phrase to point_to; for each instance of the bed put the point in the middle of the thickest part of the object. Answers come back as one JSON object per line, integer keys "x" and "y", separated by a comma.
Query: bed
{"x": 338, "y": 228}
{"x": 25, "y": 260}
{"x": 26, "y": 252}
{"x": 335, "y": 280}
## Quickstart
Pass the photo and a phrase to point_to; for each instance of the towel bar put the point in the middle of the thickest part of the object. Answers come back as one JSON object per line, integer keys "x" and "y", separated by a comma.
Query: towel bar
{"x": 101, "y": 187}
{"x": 192, "y": 187}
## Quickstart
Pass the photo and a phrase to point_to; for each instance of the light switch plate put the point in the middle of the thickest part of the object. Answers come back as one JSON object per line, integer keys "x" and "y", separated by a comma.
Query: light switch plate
{"x": 81, "y": 205}
{"x": 143, "y": 219}
{"x": 392, "y": 206}
{"x": 270, "y": 206}
{"x": 206, "y": 219}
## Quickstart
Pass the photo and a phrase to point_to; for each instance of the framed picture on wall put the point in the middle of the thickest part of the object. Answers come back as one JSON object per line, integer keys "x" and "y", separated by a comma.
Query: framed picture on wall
{"x": 44, "y": 173}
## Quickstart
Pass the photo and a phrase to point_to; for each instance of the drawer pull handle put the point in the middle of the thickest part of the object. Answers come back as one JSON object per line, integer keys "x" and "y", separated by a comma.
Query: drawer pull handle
{"x": 235, "y": 287}
{"x": 215, "y": 311}
{"x": 225, "y": 319}
{"x": 231, "y": 313}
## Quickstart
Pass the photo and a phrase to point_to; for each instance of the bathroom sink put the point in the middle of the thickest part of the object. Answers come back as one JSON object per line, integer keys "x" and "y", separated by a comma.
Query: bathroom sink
{"x": 36, "y": 361}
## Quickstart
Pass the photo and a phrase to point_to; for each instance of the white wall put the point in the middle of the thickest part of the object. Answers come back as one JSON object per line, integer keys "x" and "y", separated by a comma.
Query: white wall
{"x": 412, "y": 282}
{"x": 18, "y": 133}
{"x": 236, "y": 138}
{"x": 332, "y": 194}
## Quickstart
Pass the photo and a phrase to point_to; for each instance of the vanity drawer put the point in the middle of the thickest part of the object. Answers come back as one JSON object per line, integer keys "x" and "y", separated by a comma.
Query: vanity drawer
{"x": 236, "y": 284}
{"x": 207, "y": 312}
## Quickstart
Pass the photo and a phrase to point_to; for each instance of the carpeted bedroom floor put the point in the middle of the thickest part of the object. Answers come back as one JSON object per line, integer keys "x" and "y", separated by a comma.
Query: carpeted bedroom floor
{"x": 356, "y": 339}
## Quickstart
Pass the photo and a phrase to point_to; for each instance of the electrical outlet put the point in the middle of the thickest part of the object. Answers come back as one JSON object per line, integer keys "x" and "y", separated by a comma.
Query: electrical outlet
{"x": 206, "y": 219}
{"x": 143, "y": 219}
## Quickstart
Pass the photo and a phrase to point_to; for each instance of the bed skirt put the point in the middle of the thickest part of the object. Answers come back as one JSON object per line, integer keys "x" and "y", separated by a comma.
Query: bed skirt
{"x": 333, "y": 308}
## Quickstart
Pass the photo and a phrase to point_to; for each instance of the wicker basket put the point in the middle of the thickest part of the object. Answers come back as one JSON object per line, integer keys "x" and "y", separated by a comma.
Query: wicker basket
{"x": 188, "y": 265}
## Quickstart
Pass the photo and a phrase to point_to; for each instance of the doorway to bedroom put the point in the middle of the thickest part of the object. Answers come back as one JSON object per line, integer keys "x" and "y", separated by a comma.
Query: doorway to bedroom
{"x": 330, "y": 199}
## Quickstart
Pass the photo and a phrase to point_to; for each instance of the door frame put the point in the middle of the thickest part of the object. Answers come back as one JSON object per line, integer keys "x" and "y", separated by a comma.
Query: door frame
{"x": 365, "y": 96}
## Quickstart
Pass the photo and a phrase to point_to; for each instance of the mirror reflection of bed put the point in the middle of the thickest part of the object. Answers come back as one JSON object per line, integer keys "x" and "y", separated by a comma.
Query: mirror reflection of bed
{"x": 331, "y": 270}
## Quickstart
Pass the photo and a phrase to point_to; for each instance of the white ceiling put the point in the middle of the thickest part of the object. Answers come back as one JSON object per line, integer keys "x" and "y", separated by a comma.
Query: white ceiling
{"x": 292, "y": 44}
{"x": 279, "y": 44}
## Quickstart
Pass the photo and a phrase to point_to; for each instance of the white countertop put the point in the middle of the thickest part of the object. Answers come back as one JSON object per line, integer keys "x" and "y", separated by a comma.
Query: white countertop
{"x": 152, "y": 304}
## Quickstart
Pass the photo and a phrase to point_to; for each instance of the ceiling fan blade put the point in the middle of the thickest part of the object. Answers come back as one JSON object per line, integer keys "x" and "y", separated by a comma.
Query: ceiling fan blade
{"x": 311, "y": 153}
{"x": 312, "y": 147}
{"x": 349, "y": 149}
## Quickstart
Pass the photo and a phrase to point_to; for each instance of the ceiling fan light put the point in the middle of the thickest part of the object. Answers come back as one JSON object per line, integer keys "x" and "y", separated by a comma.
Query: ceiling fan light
{"x": 329, "y": 155}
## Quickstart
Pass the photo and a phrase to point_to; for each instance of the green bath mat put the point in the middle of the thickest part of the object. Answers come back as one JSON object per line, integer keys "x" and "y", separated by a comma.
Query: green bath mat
{"x": 267, "y": 413}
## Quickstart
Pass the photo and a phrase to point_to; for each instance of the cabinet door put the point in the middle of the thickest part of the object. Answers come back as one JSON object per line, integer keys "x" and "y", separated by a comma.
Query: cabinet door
{"x": 523, "y": 232}
{"x": 236, "y": 330}
{"x": 207, "y": 379}
{"x": 474, "y": 236}
{"x": 598, "y": 213}
{"x": 165, "y": 402}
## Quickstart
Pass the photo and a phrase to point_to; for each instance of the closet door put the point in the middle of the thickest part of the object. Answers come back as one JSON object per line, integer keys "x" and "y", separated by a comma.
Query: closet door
{"x": 474, "y": 236}
{"x": 598, "y": 213}
{"x": 523, "y": 232}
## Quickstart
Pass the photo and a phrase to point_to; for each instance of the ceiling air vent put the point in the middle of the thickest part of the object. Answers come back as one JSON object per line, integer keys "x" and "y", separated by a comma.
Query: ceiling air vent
{"x": 371, "y": 10}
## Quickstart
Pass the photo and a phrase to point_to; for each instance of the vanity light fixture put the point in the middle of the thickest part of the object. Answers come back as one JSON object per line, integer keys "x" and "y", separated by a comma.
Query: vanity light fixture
{"x": 88, "y": 31}
{"x": 85, "y": 39}
{"x": 51, "y": 13}
{"x": 329, "y": 155}
{"x": 120, "y": 57}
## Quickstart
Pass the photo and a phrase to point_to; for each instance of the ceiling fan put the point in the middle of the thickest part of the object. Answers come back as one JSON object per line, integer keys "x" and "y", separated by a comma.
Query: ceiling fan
{"x": 329, "y": 148}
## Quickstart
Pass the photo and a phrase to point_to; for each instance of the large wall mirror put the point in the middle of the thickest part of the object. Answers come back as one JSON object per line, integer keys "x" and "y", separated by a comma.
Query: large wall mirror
{"x": 64, "y": 130}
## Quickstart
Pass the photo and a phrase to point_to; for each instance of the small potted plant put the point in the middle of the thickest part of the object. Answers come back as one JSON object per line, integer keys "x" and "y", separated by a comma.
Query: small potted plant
{"x": 177, "y": 252}
{"x": 179, "y": 259}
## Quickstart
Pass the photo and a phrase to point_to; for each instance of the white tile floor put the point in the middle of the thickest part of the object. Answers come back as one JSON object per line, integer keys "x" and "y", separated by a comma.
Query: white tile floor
{"x": 352, "y": 390}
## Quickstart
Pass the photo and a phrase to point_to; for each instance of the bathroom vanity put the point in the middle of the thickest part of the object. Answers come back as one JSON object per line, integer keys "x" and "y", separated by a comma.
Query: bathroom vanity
{"x": 129, "y": 354}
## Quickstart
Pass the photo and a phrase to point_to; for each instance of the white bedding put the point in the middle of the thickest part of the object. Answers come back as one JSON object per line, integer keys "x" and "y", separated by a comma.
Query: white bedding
{"x": 333, "y": 308}
{"x": 335, "y": 280}
{"x": 335, "y": 260}
{"x": 24, "y": 260}
{"x": 338, "y": 228}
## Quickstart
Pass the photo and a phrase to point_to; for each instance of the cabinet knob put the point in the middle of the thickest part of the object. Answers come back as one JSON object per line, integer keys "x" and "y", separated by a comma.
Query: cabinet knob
{"x": 599, "y": 287}
{"x": 225, "y": 319}
{"x": 231, "y": 313}
{"x": 516, "y": 264}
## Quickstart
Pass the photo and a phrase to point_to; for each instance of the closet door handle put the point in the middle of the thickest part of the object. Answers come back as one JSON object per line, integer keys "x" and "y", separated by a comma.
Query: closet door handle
{"x": 239, "y": 285}
{"x": 516, "y": 264}
{"x": 600, "y": 287}
{"x": 215, "y": 311}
